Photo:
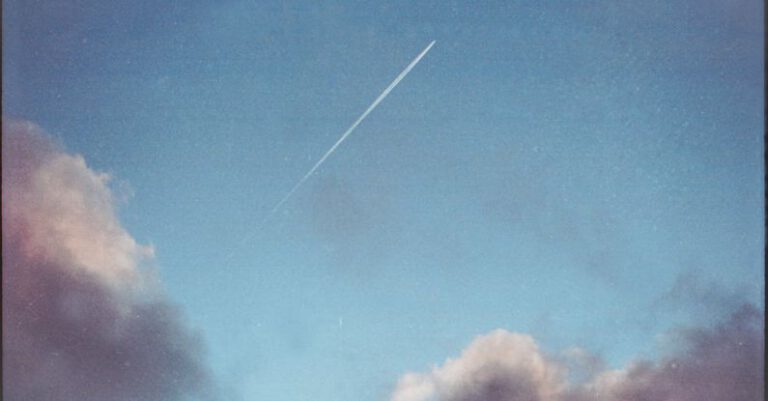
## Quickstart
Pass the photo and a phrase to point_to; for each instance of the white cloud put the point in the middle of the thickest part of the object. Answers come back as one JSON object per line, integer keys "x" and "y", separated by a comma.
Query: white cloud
{"x": 66, "y": 211}
{"x": 81, "y": 320}
{"x": 722, "y": 363}
{"x": 500, "y": 361}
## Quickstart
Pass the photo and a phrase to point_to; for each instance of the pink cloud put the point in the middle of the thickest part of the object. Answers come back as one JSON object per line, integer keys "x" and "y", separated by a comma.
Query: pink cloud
{"x": 723, "y": 363}
{"x": 81, "y": 317}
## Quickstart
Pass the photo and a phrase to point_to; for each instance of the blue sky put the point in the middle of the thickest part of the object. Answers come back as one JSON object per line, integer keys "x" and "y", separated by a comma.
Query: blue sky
{"x": 554, "y": 169}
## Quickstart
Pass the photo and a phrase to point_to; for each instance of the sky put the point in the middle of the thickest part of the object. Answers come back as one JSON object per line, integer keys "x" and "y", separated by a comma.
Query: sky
{"x": 571, "y": 190}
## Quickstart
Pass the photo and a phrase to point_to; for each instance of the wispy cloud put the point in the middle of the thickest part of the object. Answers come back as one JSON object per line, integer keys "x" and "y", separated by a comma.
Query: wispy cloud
{"x": 360, "y": 229}
{"x": 83, "y": 317}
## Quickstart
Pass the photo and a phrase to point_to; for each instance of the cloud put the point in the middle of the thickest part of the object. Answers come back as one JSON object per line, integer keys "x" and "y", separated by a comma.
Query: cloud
{"x": 358, "y": 228}
{"x": 695, "y": 294}
{"x": 721, "y": 363}
{"x": 83, "y": 317}
{"x": 498, "y": 366}
{"x": 531, "y": 203}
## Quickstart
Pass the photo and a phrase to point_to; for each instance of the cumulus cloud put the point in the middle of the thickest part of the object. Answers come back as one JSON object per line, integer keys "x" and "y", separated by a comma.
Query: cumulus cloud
{"x": 497, "y": 366}
{"x": 722, "y": 363}
{"x": 82, "y": 319}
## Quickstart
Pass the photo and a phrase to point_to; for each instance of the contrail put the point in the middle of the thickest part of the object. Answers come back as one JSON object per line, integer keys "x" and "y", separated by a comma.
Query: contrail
{"x": 338, "y": 142}
{"x": 350, "y": 129}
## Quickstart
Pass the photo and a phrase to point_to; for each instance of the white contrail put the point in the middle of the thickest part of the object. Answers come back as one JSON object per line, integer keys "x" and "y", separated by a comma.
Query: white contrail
{"x": 351, "y": 128}
{"x": 336, "y": 145}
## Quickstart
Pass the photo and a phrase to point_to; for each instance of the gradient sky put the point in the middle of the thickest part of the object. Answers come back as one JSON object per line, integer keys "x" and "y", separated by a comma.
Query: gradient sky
{"x": 589, "y": 173}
